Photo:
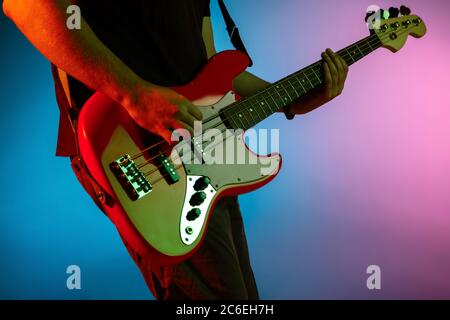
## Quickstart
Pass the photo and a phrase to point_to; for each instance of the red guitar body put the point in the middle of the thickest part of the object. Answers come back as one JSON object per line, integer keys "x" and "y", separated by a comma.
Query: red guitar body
{"x": 165, "y": 223}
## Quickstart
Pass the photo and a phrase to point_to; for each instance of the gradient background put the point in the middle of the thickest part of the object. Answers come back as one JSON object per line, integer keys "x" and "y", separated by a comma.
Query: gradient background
{"x": 366, "y": 179}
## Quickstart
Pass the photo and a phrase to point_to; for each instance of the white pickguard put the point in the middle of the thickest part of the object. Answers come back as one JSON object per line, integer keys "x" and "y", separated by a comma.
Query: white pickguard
{"x": 190, "y": 230}
{"x": 221, "y": 175}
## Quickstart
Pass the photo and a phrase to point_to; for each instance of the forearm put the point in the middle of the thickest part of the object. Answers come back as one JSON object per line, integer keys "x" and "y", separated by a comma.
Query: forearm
{"x": 247, "y": 84}
{"x": 78, "y": 52}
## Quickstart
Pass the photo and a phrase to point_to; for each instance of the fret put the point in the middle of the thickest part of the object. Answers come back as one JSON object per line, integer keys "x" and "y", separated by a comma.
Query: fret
{"x": 350, "y": 55}
{"x": 238, "y": 116}
{"x": 318, "y": 78}
{"x": 254, "y": 106}
{"x": 293, "y": 87}
{"x": 264, "y": 102}
{"x": 346, "y": 57}
{"x": 246, "y": 113}
{"x": 278, "y": 105}
{"x": 261, "y": 104}
{"x": 285, "y": 93}
{"x": 354, "y": 55}
{"x": 251, "y": 110}
{"x": 357, "y": 47}
{"x": 363, "y": 48}
{"x": 375, "y": 43}
{"x": 261, "y": 113}
{"x": 230, "y": 119}
{"x": 298, "y": 80}
{"x": 278, "y": 92}
{"x": 271, "y": 103}
{"x": 366, "y": 48}
{"x": 237, "y": 119}
{"x": 273, "y": 106}
{"x": 307, "y": 78}
{"x": 359, "y": 57}
{"x": 275, "y": 101}
{"x": 286, "y": 99}
{"x": 303, "y": 82}
{"x": 242, "y": 119}
{"x": 257, "y": 113}
{"x": 288, "y": 95}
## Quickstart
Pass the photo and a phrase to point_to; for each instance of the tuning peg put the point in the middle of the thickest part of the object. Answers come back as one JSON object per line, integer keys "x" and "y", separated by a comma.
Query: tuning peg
{"x": 368, "y": 15}
{"x": 405, "y": 11}
{"x": 383, "y": 14}
{"x": 393, "y": 12}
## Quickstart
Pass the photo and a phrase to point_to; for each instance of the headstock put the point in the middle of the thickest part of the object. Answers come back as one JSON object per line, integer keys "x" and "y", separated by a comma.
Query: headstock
{"x": 393, "y": 26}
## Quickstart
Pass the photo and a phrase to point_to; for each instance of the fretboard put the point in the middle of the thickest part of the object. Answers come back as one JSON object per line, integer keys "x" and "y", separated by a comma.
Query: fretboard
{"x": 246, "y": 113}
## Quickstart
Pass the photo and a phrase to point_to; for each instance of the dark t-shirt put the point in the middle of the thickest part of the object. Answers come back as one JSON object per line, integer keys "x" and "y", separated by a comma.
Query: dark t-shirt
{"x": 161, "y": 41}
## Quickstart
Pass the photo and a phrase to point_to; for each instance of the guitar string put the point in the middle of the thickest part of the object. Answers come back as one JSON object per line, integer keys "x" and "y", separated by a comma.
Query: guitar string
{"x": 370, "y": 40}
{"x": 301, "y": 71}
{"x": 164, "y": 175}
{"x": 308, "y": 71}
{"x": 311, "y": 67}
{"x": 253, "y": 105}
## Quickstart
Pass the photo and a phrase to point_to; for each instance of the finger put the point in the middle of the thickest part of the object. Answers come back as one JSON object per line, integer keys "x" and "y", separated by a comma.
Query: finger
{"x": 167, "y": 128}
{"x": 343, "y": 75}
{"x": 341, "y": 72}
{"x": 194, "y": 110}
{"x": 328, "y": 80}
{"x": 185, "y": 117}
{"x": 186, "y": 126}
{"x": 338, "y": 62}
{"x": 333, "y": 72}
{"x": 344, "y": 64}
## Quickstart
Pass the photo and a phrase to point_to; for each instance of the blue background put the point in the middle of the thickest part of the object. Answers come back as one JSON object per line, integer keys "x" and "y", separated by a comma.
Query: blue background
{"x": 365, "y": 180}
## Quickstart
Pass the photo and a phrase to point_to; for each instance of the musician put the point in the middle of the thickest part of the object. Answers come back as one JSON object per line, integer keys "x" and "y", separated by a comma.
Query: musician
{"x": 133, "y": 51}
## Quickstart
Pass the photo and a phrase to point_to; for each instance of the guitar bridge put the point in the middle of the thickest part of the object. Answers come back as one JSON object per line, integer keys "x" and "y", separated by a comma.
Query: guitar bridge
{"x": 130, "y": 178}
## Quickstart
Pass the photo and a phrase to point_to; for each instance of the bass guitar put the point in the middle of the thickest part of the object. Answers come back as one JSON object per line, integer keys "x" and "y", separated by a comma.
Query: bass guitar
{"x": 163, "y": 200}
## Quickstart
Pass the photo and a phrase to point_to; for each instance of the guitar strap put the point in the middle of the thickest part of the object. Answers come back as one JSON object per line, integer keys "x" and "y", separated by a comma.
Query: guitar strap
{"x": 68, "y": 133}
{"x": 233, "y": 31}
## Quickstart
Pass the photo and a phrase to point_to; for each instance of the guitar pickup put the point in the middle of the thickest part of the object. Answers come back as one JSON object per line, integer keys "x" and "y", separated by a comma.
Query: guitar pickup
{"x": 132, "y": 180}
{"x": 168, "y": 169}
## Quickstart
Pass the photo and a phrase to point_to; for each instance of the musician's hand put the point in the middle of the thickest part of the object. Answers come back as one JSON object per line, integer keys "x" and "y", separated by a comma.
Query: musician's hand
{"x": 335, "y": 70}
{"x": 161, "y": 110}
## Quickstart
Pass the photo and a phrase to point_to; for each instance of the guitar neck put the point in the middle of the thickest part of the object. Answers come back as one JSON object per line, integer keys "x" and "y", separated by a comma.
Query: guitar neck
{"x": 246, "y": 113}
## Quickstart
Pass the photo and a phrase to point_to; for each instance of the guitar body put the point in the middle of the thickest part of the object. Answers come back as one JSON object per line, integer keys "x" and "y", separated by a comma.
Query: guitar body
{"x": 159, "y": 225}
